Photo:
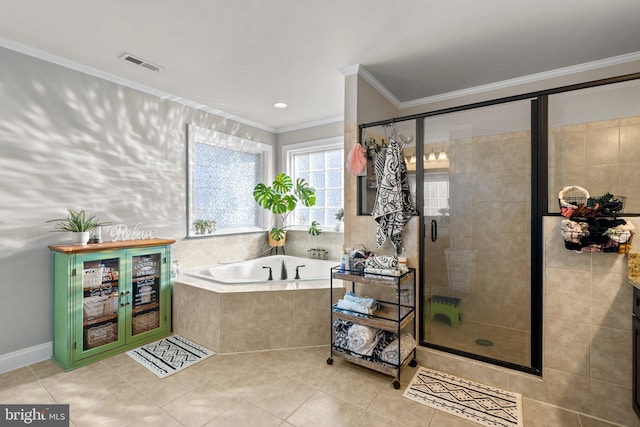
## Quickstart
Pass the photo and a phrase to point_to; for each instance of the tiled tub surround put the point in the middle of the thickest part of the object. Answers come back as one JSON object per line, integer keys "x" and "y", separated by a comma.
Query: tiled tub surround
{"x": 218, "y": 248}
{"x": 252, "y": 317}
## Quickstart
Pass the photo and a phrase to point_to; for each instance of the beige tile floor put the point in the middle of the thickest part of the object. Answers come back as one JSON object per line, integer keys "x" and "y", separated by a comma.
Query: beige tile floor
{"x": 293, "y": 387}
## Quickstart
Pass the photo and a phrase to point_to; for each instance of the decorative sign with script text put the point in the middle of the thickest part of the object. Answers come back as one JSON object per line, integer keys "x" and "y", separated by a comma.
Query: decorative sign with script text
{"x": 122, "y": 232}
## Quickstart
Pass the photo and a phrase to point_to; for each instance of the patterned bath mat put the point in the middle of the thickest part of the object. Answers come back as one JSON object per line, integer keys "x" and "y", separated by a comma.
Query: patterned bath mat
{"x": 169, "y": 355}
{"x": 479, "y": 403}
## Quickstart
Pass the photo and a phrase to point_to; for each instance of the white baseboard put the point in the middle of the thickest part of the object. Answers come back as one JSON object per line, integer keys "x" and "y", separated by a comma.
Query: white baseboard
{"x": 26, "y": 356}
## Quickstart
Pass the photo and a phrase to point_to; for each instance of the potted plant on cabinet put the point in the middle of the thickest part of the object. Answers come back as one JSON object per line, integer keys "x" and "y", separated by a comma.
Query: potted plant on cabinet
{"x": 79, "y": 224}
{"x": 281, "y": 198}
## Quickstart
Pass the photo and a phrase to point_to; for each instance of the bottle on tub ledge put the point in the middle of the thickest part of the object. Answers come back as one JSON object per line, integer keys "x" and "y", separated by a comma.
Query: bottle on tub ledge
{"x": 344, "y": 260}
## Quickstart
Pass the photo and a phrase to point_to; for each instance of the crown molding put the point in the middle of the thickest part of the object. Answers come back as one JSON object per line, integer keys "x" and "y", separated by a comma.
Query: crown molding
{"x": 77, "y": 66}
{"x": 361, "y": 71}
{"x": 350, "y": 70}
{"x": 310, "y": 124}
{"x": 368, "y": 77}
{"x": 559, "y": 72}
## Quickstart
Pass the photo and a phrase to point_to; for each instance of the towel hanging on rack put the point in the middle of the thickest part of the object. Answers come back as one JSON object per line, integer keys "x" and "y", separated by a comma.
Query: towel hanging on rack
{"x": 392, "y": 208}
{"x": 356, "y": 160}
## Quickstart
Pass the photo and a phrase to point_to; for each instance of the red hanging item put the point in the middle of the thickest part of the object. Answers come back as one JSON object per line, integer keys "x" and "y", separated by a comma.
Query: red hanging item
{"x": 356, "y": 160}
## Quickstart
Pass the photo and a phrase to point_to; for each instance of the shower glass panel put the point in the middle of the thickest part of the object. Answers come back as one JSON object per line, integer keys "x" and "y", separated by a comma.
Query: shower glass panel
{"x": 594, "y": 142}
{"x": 477, "y": 216}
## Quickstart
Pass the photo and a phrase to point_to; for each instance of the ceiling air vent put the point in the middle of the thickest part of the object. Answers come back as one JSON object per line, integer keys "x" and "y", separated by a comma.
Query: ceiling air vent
{"x": 140, "y": 61}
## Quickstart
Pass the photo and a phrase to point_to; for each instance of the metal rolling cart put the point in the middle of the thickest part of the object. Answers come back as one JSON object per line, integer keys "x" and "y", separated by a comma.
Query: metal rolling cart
{"x": 394, "y": 313}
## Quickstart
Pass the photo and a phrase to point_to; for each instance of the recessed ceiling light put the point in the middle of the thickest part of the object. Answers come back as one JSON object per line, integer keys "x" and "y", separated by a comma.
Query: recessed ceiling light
{"x": 280, "y": 105}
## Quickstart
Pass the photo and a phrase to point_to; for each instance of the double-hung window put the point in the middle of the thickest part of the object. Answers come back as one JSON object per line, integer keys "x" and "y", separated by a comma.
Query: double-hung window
{"x": 223, "y": 170}
{"x": 320, "y": 163}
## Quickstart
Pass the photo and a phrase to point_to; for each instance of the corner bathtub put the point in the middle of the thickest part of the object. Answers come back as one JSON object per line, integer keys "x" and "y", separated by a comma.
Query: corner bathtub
{"x": 256, "y": 272}
{"x": 231, "y": 308}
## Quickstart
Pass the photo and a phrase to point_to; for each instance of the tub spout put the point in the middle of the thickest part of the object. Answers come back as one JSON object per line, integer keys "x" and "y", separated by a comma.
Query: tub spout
{"x": 283, "y": 272}
{"x": 270, "y": 275}
{"x": 297, "y": 273}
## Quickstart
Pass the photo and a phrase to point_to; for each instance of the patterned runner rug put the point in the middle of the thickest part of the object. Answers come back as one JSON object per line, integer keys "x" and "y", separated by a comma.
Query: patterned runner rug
{"x": 476, "y": 402}
{"x": 169, "y": 355}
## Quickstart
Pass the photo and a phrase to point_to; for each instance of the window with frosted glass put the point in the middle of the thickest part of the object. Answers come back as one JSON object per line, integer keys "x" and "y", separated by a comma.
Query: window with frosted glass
{"x": 323, "y": 171}
{"x": 223, "y": 170}
{"x": 436, "y": 194}
{"x": 223, "y": 184}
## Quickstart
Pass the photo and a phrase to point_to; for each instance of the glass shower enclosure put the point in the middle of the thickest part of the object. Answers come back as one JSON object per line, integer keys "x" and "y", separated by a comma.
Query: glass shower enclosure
{"x": 476, "y": 209}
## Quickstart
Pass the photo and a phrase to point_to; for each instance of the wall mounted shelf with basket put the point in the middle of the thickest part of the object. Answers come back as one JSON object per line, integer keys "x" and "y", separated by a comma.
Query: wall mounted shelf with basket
{"x": 591, "y": 223}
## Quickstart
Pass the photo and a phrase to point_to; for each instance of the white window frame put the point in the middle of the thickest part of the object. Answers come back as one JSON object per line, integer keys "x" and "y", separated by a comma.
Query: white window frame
{"x": 431, "y": 177}
{"x": 197, "y": 134}
{"x": 326, "y": 144}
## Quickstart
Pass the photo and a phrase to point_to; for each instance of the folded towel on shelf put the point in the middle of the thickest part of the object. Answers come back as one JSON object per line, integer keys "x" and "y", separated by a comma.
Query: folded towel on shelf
{"x": 386, "y": 271}
{"x": 341, "y": 329}
{"x": 363, "y": 339}
{"x": 390, "y": 353}
{"x": 341, "y": 342}
{"x": 345, "y": 304}
{"x": 382, "y": 261}
{"x": 365, "y": 302}
{"x": 341, "y": 325}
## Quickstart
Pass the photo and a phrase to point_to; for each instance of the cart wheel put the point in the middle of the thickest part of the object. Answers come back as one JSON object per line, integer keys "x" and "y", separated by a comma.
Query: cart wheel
{"x": 396, "y": 384}
{"x": 413, "y": 363}
{"x": 330, "y": 361}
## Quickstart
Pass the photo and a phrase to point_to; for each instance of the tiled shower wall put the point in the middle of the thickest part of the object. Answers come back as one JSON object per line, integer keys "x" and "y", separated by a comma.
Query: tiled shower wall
{"x": 587, "y": 329}
{"x": 602, "y": 156}
{"x": 587, "y": 337}
{"x": 587, "y": 301}
{"x": 489, "y": 179}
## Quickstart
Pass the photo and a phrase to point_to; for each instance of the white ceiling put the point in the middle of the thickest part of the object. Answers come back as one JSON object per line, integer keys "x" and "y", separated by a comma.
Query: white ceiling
{"x": 241, "y": 56}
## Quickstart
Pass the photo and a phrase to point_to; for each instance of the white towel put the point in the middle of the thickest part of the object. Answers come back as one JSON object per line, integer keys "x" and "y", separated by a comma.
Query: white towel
{"x": 390, "y": 353}
{"x": 387, "y": 272}
{"x": 363, "y": 339}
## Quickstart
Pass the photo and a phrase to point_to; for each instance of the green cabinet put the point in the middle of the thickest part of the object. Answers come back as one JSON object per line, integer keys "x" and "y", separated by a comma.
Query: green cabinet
{"x": 108, "y": 298}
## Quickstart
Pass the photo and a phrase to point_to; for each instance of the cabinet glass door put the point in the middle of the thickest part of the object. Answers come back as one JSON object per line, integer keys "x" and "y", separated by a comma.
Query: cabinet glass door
{"x": 100, "y": 302}
{"x": 145, "y": 287}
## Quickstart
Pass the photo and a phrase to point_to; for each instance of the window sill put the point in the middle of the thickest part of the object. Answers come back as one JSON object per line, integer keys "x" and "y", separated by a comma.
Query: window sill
{"x": 235, "y": 231}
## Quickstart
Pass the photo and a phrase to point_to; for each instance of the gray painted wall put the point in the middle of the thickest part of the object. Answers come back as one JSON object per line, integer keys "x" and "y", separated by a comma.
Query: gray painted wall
{"x": 68, "y": 139}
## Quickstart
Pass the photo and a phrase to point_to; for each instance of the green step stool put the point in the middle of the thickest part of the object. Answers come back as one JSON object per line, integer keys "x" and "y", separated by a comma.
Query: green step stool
{"x": 448, "y": 306}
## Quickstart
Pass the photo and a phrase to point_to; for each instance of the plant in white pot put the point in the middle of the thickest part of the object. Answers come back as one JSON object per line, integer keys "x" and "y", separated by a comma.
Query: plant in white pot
{"x": 79, "y": 224}
{"x": 281, "y": 198}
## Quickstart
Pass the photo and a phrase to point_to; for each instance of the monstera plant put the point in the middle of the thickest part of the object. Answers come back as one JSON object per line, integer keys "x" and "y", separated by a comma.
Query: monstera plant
{"x": 281, "y": 198}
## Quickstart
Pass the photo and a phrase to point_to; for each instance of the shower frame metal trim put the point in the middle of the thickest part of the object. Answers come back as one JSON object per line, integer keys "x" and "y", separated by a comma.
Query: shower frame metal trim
{"x": 539, "y": 205}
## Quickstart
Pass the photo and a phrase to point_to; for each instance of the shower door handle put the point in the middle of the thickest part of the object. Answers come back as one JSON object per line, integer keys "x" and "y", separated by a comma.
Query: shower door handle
{"x": 434, "y": 230}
